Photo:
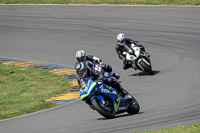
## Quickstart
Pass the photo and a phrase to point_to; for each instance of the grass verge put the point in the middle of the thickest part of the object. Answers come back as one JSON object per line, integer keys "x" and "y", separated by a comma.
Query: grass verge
{"x": 24, "y": 90}
{"x": 131, "y": 2}
{"x": 194, "y": 128}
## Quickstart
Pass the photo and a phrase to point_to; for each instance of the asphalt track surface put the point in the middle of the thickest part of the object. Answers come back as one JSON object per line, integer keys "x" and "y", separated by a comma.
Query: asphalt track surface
{"x": 53, "y": 34}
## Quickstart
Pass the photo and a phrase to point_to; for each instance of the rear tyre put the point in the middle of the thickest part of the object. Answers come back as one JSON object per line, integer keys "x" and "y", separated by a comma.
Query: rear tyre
{"x": 105, "y": 110}
{"x": 134, "y": 107}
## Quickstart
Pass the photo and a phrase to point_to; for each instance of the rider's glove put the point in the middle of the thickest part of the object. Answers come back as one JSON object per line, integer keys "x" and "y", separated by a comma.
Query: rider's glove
{"x": 101, "y": 64}
{"x": 140, "y": 46}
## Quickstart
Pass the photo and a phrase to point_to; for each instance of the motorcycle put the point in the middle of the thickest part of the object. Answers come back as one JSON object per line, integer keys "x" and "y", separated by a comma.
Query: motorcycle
{"x": 106, "y": 100}
{"x": 140, "y": 60}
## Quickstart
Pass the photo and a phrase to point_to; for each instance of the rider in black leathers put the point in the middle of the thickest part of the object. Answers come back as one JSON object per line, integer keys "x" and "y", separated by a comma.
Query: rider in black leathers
{"x": 81, "y": 56}
{"x": 87, "y": 69}
{"x": 124, "y": 45}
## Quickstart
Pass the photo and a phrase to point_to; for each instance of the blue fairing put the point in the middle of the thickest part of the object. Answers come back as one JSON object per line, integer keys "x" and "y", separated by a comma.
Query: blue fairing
{"x": 107, "y": 75}
{"x": 100, "y": 98}
{"x": 91, "y": 89}
{"x": 87, "y": 88}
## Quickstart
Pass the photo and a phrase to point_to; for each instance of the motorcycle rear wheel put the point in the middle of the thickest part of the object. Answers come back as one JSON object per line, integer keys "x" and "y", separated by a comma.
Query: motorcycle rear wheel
{"x": 106, "y": 111}
{"x": 134, "y": 107}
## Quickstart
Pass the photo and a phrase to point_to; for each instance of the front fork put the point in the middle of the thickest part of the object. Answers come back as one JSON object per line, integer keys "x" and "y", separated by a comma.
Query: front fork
{"x": 116, "y": 102}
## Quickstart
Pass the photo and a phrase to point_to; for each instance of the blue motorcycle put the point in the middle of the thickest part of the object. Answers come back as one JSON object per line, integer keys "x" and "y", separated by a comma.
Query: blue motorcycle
{"x": 106, "y": 100}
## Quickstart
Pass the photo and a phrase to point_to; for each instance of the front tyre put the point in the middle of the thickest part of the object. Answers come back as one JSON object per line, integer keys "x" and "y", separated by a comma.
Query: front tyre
{"x": 146, "y": 67}
{"x": 134, "y": 107}
{"x": 105, "y": 110}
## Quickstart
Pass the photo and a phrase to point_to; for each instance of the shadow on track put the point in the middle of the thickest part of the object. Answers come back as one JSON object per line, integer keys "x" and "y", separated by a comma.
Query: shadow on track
{"x": 119, "y": 116}
{"x": 145, "y": 73}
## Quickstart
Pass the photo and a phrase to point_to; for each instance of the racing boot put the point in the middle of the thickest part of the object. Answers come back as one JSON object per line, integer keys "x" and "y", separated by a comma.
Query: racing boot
{"x": 120, "y": 89}
{"x": 126, "y": 65}
{"x": 127, "y": 96}
{"x": 115, "y": 84}
{"x": 134, "y": 66}
{"x": 123, "y": 91}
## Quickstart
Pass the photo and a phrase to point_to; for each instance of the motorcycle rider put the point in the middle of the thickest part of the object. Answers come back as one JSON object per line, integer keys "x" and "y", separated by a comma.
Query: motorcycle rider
{"x": 87, "y": 69}
{"x": 124, "y": 45}
{"x": 81, "y": 56}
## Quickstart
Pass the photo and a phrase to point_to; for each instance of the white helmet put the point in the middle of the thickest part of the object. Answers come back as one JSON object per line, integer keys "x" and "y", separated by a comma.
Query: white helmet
{"x": 81, "y": 69}
{"x": 121, "y": 38}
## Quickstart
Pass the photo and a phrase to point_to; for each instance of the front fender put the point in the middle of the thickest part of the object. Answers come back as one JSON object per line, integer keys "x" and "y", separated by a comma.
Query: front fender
{"x": 146, "y": 60}
{"x": 100, "y": 98}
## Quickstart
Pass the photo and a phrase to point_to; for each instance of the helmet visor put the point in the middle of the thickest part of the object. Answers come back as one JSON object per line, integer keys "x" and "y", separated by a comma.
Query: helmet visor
{"x": 79, "y": 59}
{"x": 82, "y": 73}
{"x": 122, "y": 42}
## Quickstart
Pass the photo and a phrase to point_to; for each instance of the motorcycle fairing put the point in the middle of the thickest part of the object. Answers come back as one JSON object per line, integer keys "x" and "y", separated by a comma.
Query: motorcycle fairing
{"x": 136, "y": 51}
{"x": 108, "y": 74}
{"x": 116, "y": 104}
{"x": 87, "y": 89}
{"x": 100, "y": 98}
{"x": 106, "y": 91}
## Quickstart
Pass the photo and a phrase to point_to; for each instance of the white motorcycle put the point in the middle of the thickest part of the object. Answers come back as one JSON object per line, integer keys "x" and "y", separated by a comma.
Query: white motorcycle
{"x": 140, "y": 60}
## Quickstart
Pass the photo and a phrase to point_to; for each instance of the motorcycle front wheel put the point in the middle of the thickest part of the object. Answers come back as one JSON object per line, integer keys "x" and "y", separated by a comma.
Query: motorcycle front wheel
{"x": 105, "y": 110}
{"x": 146, "y": 67}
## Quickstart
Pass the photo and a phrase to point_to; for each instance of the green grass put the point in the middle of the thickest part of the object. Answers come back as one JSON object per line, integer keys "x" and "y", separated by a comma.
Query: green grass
{"x": 195, "y": 128}
{"x": 24, "y": 90}
{"x": 132, "y": 2}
